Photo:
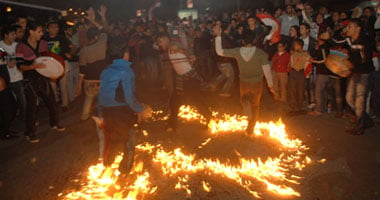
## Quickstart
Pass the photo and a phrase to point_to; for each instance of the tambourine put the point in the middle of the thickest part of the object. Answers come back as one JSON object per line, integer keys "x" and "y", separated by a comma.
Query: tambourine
{"x": 55, "y": 65}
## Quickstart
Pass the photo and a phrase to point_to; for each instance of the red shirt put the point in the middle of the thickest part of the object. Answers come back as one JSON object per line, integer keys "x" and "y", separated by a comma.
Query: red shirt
{"x": 280, "y": 62}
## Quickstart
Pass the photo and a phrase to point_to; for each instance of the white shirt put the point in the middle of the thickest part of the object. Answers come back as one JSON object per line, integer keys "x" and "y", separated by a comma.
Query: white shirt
{"x": 14, "y": 73}
{"x": 10, "y": 49}
{"x": 306, "y": 42}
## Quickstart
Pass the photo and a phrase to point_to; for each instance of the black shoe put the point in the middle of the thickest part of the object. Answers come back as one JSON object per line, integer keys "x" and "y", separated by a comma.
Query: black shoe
{"x": 65, "y": 108}
{"x": 32, "y": 138}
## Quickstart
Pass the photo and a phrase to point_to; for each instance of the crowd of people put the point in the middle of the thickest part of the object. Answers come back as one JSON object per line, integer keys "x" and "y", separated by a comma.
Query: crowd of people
{"x": 220, "y": 53}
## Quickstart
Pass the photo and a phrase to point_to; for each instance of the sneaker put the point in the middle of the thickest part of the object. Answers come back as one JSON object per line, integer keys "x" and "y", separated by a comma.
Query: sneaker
{"x": 32, "y": 138}
{"x": 312, "y": 105}
{"x": 58, "y": 128}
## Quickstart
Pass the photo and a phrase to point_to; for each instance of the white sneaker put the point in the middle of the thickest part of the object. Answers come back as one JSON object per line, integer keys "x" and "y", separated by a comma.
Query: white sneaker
{"x": 58, "y": 128}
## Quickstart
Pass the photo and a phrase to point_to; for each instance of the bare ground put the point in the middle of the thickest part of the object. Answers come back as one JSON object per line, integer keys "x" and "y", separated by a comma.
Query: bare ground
{"x": 59, "y": 161}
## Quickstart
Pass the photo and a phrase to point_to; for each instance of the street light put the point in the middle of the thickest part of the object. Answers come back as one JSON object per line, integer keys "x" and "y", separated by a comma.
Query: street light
{"x": 8, "y": 9}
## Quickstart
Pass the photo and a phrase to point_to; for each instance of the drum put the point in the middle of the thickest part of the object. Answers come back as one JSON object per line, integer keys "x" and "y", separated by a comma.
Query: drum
{"x": 339, "y": 64}
{"x": 55, "y": 65}
{"x": 180, "y": 63}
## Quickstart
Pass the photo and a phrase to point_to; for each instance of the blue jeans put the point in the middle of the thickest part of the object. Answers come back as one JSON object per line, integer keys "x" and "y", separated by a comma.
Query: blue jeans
{"x": 226, "y": 77}
{"x": 357, "y": 92}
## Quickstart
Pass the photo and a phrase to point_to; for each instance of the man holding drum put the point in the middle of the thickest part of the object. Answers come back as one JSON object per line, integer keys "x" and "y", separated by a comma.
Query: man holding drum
{"x": 36, "y": 85}
{"x": 360, "y": 52}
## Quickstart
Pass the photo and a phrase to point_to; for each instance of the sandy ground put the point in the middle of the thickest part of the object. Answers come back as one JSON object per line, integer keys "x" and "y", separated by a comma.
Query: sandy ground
{"x": 52, "y": 166}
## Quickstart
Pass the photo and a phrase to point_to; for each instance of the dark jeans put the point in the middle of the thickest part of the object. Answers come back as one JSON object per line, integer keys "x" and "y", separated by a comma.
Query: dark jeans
{"x": 7, "y": 111}
{"x": 250, "y": 97}
{"x": 167, "y": 76}
{"x": 357, "y": 92}
{"x": 375, "y": 99}
{"x": 118, "y": 124}
{"x": 18, "y": 89}
{"x": 338, "y": 94}
{"x": 192, "y": 94}
{"x": 43, "y": 90}
{"x": 296, "y": 89}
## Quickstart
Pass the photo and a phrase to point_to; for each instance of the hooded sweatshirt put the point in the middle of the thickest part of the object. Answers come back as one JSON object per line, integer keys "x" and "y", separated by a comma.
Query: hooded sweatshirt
{"x": 119, "y": 70}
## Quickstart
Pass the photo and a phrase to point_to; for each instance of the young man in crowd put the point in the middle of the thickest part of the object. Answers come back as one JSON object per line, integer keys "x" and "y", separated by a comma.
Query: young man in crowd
{"x": 323, "y": 78}
{"x": 227, "y": 74}
{"x": 288, "y": 20}
{"x": 309, "y": 44}
{"x": 119, "y": 108}
{"x": 92, "y": 61}
{"x": 61, "y": 46}
{"x": 12, "y": 75}
{"x": 7, "y": 110}
{"x": 185, "y": 86}
{"x": 253, "y": 65}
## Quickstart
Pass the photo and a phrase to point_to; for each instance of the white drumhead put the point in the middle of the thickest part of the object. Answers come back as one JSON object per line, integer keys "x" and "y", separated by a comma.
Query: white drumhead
{"x": 53, "y": 69}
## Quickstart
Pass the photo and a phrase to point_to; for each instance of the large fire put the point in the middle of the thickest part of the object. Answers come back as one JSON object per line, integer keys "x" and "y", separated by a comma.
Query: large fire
{"x": 274, "y": 173}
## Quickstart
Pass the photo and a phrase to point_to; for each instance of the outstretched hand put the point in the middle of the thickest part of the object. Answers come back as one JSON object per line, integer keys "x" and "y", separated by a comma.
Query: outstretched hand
{"x": 102, "y": 10}
{"x": 300, "y": 6}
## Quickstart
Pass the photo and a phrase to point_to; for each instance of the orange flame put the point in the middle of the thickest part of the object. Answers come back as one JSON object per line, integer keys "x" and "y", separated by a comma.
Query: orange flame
{"x": 274, "y": 173}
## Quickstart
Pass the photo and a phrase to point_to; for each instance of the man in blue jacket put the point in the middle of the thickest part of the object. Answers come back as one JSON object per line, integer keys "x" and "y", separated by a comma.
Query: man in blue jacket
{"x": 119, "y": 107}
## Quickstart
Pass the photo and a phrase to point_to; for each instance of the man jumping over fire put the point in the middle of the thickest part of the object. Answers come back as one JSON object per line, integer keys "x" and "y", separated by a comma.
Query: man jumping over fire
{"x": 119, "y": 108}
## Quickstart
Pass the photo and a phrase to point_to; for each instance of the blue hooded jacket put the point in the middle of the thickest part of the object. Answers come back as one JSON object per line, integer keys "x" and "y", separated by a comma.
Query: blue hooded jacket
{"x": 119, "y": 70}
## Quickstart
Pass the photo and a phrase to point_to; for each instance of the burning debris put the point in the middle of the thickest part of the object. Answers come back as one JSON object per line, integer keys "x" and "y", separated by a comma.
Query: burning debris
{"x": 276, "y": 174}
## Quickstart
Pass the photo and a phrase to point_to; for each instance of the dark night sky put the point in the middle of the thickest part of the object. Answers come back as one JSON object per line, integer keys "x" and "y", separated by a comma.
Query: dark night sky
{"x": 121, "y": 8}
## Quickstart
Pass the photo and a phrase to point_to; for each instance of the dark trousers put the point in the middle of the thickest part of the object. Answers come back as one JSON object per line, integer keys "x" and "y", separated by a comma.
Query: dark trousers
{"x": 323, "y": 83}
{"x": 338, "y": 94}
{"x": 43, "y": 90}
{"x": 296, "y": 89}
{"x": 7, "y": 111}
{"x": 250, "y": 97}
{"x": 18, "y": 89}
{"x": 192, "y": 94}
{"x": 118, "y": 124}
{"x": 375, "y": 98}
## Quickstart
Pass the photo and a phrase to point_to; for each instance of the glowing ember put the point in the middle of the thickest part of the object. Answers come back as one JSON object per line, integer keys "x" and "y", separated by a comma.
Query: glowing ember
{"x": 274, "y": 174}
